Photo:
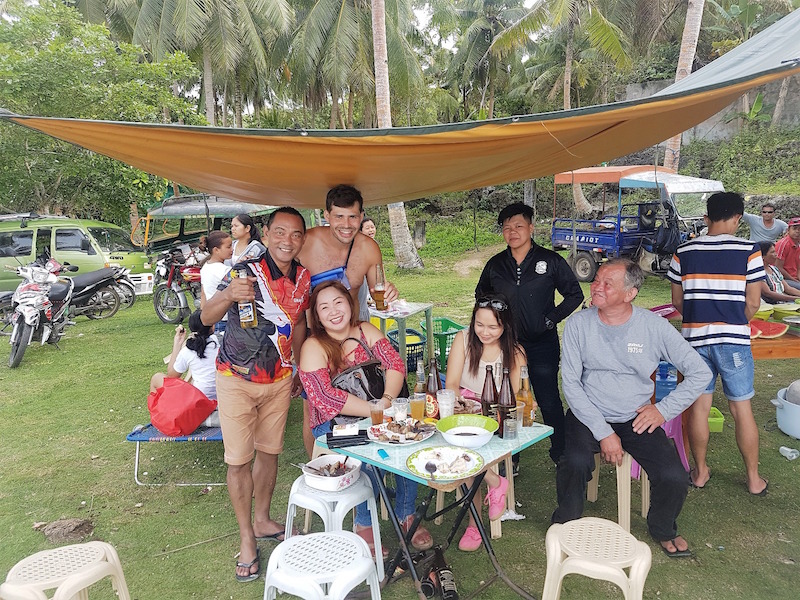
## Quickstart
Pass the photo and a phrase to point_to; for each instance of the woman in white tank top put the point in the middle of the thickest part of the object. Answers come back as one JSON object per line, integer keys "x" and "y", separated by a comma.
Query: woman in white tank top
{"x": 489, "y": 340}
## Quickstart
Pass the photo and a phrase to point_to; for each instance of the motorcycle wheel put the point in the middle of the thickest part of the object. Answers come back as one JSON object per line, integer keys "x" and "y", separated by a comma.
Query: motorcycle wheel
{"x": 167, "y": 304}
{"x": 19, "y": 345}
{"x": 106, "y": 302}
{"x": 127, "y": 295}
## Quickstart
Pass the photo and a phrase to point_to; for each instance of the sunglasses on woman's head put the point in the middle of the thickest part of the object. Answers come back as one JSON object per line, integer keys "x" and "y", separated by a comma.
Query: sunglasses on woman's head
{"x": 498, "y": 305}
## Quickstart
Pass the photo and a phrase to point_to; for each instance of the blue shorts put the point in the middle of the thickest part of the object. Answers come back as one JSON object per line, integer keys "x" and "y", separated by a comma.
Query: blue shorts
{"x": 734, "y": 364}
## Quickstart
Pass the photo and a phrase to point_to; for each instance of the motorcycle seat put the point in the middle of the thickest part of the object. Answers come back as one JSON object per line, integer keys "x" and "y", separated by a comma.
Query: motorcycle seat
{"x": 82, "y": 281}
{"x": 58, "y": 291}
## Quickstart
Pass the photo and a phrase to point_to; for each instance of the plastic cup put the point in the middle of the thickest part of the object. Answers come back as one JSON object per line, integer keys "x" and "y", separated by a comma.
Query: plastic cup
{"x": 510, "y": 429}
{"x": 376, "y": 412}
{"x": 447, "y": 402}
{"x": 400, "y": 406}
{"x": 524, "y": 415}
{"x": 377, "y": 295}
{"x": 417, "y": 406}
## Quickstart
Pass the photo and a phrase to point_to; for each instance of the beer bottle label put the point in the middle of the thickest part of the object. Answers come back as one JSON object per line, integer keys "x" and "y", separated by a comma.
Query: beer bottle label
{"x": 246, "y": 313}
{"x": 431, "y": 406}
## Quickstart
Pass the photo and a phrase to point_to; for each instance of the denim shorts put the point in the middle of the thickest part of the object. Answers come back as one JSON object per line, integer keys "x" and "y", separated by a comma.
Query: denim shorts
{"x": 734, "y": 364}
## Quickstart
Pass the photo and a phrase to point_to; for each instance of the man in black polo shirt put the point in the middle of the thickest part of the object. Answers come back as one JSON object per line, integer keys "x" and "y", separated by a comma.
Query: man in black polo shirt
{"x": 529, "y": 275}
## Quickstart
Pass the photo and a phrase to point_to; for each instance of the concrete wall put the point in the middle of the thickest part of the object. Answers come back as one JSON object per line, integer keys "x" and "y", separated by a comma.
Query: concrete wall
{"x": 715, "y": 128}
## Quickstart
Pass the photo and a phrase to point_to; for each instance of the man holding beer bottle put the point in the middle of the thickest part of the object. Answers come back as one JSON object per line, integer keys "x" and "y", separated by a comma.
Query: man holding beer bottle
{"x": 528, "y": 276}
{"x": 254, "y": 374}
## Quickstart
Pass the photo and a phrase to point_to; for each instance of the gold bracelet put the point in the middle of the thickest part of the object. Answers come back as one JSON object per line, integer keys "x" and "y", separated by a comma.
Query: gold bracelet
{"x": 388, "y": 397}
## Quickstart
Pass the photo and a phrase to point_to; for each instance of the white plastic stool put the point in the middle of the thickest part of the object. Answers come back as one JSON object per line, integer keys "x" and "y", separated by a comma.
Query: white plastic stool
{"x": 68, "y": 569}
{"x": 321, "y": 566}
{"x": 599, "y": 549}
{"x": 623, "y": 489}
{"x": 333, "y": 507}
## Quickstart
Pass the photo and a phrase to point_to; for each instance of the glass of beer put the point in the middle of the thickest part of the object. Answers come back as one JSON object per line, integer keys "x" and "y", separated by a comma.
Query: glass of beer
{"x": 417, "y": 406}
{"x": 376, "y": 412}
{"x": 380, "y": 287}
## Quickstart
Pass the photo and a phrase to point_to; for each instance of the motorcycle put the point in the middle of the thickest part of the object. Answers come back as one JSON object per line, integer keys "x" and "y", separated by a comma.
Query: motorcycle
{"x": 173, "y": 280}
{"x": 44, "y": 303}
{"x": 125, "y": 288}
{"x": 40, "y": 306}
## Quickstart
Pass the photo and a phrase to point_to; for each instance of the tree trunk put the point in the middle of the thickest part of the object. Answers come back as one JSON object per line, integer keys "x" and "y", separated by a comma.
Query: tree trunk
{"x": 778, "y": 112}
{"x": 404, "y": 250}
{"x": 237, "y": 103}
{"x": 351, "y": 100}
{"x": 208, "y": 87}
{"x": 225, "y": 105}
{"x": 582, "y": 205}
{"x": 334, "y": 110}
{"x": 568, "y": 51}
{"x": 691, "y": 31}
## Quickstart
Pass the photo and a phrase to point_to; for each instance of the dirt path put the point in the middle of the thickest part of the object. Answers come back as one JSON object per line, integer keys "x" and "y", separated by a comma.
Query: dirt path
{"x": 476, "y": 260}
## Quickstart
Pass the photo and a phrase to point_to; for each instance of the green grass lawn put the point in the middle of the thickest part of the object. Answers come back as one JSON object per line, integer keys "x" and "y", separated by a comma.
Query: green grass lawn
{"x": 64, "y": 415}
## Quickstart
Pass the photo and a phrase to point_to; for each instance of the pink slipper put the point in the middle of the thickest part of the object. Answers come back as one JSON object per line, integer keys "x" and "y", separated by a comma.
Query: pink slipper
{"x": 471, "y": 540}
{"x": 365, "y": 533}
{"x": 496, "y": 499}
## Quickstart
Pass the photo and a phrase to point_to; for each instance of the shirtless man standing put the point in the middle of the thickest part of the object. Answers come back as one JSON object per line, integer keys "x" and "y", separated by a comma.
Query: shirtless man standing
{"x": 341, "y": 252}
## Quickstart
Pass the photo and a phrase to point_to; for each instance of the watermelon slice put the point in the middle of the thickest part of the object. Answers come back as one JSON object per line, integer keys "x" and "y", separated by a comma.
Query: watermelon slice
{"x": 754, "y": 332}
{"x": 667, "y": 311}
{"x": 768, "y": 329}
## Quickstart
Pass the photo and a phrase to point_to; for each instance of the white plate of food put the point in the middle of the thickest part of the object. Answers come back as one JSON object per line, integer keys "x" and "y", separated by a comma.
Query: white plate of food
{"x": 466, "y": 406}
{"x": 405, "y": 432}
{"x": 444, "y": 463}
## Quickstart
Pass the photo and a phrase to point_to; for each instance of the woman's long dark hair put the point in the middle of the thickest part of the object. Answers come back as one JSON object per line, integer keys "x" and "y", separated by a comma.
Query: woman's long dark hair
{"x": 508, "y": 339}
{"x": 331, "y": 347}
{"x": 247, "y": 221}
{"x": 198, "y": 342}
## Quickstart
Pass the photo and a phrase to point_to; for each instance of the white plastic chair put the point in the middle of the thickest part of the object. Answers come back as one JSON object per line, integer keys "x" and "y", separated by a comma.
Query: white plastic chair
{"x": 332, "y": 507}
{"x": 70, "y": 570}
{"x": 599, "y": 549}
{"x": 623, "y": 489}
{"x": 321, "y": 566}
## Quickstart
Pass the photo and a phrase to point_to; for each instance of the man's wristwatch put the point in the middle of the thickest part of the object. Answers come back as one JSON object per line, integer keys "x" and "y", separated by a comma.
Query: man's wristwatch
{"x": 548, "y": 323}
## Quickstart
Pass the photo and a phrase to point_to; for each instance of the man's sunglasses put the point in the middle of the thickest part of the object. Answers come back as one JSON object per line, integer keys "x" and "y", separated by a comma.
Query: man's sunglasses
{"x": 767, "y": 212}
{"x": 498, "y": 305}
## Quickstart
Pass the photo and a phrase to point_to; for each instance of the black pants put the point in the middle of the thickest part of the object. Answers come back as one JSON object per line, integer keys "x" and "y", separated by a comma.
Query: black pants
{"x": 653, "y": 451}
{"x": 543, "y": 359}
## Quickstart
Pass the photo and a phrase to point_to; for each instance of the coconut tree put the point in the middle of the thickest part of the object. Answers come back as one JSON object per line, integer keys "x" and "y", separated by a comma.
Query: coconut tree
{"x": 570, "y": 15}
{"x": 691, "y": 31}
{"x": 219, "y": 33}
{"x": 404, "y": 249}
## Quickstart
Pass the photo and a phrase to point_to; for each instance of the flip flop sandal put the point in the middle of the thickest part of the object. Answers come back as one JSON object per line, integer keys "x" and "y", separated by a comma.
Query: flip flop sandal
{"x": 677, "y": 553}
{"x": 275, "y": 537}
{"x": 248, "y": 566}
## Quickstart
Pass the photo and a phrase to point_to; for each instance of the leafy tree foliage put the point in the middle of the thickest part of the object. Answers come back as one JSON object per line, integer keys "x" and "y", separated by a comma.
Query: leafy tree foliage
{"x": 52, "y": 64}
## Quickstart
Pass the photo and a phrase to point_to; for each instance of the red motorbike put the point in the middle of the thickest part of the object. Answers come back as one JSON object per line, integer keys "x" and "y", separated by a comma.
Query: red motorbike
{"x": 173, "y": 280}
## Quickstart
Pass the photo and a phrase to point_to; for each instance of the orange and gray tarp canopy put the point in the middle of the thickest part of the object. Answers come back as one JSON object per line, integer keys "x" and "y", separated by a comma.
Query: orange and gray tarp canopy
{"x": 297, "y": 167}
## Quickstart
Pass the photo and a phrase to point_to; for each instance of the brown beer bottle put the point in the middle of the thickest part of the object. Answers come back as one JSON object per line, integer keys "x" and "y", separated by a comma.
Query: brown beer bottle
{"x": 489, "y": 395}
{"x": 434, "y": 385}
{"x": 247, "y": 310}
{"x": 507, "y": 404}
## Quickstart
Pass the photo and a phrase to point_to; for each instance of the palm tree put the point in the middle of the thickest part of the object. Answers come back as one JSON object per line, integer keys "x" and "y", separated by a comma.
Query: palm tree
{"x": 404, "y": 249}
{"x": 219, "y": 34}
{"x": 691, "y": 31}
{"x": 474, "y": 66}
{"x": 571, "y": 15}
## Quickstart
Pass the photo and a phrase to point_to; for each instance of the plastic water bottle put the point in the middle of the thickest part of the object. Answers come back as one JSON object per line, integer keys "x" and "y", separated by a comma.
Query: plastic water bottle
{"x": 789, "y": 453}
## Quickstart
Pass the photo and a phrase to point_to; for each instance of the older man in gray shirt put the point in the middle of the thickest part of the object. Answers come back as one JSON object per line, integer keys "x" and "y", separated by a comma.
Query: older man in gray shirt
{"x": 610, "y": 353}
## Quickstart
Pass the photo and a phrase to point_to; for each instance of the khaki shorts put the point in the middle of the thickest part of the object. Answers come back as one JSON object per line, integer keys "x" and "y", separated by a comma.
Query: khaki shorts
{"x": 252, "y": 416}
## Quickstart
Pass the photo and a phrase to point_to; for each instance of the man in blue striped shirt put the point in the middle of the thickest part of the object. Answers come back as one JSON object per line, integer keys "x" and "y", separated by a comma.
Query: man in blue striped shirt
{"x": 716, "y": 287}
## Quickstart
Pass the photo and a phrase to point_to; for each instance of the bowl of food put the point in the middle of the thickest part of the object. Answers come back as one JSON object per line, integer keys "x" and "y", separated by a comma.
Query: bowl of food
{"x": 330, "y": 472}
{"x": 467, "y": 431}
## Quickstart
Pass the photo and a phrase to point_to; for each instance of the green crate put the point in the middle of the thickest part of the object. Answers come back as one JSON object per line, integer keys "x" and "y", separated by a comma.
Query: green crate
{"x": 415, "y": 346}
{"x": 715, "y": 420}
{"x": 444, "y": 330}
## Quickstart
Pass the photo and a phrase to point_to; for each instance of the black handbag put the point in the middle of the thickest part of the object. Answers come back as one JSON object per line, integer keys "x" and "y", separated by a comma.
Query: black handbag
{"x": 367, "y": 380}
